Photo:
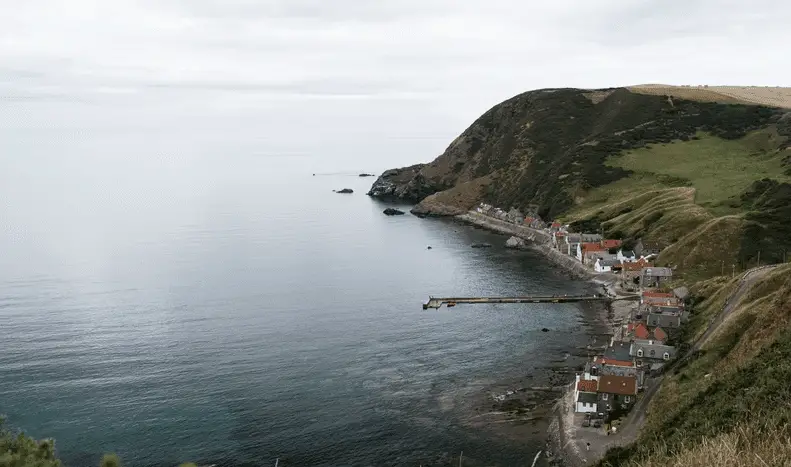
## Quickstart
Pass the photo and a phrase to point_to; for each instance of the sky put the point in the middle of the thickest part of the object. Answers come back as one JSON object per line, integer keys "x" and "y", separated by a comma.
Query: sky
{"x": 392, "y": 80}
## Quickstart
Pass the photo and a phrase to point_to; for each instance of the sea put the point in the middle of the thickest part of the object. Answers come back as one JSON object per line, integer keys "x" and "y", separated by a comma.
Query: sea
{"x": 174, "y": 302}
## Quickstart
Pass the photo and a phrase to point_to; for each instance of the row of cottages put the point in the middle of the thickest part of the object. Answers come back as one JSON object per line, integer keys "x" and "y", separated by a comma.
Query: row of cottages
{"x": 660, "y": 309}
{"x": 612, "y": 380}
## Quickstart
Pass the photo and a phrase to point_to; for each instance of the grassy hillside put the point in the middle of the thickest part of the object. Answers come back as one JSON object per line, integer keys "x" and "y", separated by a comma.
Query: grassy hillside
{"x": 714, "y": 204}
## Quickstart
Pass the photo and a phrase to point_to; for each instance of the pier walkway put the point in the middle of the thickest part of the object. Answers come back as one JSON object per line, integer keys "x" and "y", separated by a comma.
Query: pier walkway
{"x": 434, "y": 302}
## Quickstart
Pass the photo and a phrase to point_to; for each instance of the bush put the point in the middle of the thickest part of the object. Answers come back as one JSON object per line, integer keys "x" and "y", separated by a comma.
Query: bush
{"x": 110, "y": 460}
{"x": 19, "y": 450}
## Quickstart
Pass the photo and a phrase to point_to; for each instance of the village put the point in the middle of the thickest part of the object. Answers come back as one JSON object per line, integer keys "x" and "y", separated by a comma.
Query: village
{"x": 641, "y": 345}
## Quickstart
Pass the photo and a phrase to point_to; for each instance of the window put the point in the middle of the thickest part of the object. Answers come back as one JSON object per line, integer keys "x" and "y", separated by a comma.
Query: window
{"x": 627, "y": 399}
{"x": 666, "y": 356}
{"x": 653, "y": 352}
{"x": 604, "y": 396}
{"x": 639, "y": 352}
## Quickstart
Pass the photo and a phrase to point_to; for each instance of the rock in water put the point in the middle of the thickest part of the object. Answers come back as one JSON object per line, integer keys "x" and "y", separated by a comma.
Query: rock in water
{"x": 481, "y": 245}
{"x": 429, "y": 247}
{"x": 516, "y": 243}
{"x": 344, "y": 191}
{"x": 544, "y": 330}
{"x": 393, "y": 212}
{"x": 366, "y": 175}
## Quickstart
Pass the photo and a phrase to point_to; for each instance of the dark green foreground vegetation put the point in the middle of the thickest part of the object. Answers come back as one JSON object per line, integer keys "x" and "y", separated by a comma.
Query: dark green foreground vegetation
{"x": 20, "y": 450}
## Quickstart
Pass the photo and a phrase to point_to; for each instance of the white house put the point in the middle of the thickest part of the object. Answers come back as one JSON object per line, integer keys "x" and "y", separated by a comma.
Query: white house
{"x": 605, "y": 265}
{"x": 626, "y": 256}
{"x": 585, "y": 397}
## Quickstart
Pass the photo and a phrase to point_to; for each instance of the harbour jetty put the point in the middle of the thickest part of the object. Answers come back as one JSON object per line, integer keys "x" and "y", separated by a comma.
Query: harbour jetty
{"x": 437, "y": 302}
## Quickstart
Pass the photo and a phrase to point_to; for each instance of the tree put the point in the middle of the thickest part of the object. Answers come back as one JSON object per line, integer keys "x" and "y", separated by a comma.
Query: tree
{"x": 19, "y": 450}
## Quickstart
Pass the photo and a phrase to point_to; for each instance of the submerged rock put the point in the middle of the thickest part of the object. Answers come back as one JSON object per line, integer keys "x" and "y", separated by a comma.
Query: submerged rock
{"x": 544, "y": 330}
{"x": 393, "y": 212}
{"x": 481, "y": 245}
{"x": 344, "y": 191}
{"x": 366, "y": 175}
{"x": 515, "y": 243}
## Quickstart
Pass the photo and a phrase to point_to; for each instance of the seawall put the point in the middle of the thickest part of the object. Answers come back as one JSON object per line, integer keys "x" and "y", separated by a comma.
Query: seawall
{"x": 539, "y": 241}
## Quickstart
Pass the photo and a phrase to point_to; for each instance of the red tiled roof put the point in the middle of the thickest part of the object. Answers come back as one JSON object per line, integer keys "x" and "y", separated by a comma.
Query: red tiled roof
{"x": 529, "y": 219}
{"x": 612, "y": 362}
{"x": 560, "y": 234}
{"x": 556, "y": 224}
{"x": 611, "y": 243}
{"x": 660, "y": 334}
{"x": 637, "y": 266}
{"x": 621, "y": 385}
{"x": 587, "y": 385}
{"x": 591, "y": 247}
{"x": 648, "y": 294}
{"x": 641, "y": 331}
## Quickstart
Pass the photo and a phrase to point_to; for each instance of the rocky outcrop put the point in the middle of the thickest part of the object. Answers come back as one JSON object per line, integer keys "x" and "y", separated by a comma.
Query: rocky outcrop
{"x": 393, "y": 212}
{"x": 405, "y": 184}
{"x": 516, "y": 243}
{"x": 344, "y": 191}
{"x": 431, "y": 207}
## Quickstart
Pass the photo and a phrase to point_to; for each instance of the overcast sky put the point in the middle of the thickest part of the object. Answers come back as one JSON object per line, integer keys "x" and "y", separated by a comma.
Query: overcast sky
{"x": 416, "y": 70}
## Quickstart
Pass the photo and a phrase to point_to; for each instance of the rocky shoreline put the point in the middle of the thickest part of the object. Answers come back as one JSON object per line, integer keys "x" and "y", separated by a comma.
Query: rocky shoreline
{"x": 602, "y": 318}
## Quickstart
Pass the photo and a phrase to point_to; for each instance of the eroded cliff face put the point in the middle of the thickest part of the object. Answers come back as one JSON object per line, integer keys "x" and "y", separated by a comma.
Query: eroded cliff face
{"x": 540, "y": 150}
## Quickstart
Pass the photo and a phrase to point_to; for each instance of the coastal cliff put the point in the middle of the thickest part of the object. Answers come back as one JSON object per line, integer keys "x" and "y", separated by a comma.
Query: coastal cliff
{"x": 631, "y": 162}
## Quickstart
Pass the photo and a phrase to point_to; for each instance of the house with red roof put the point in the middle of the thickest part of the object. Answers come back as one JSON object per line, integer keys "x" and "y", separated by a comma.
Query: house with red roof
{"x": 585, "y": 250}
{"x": 642, "y": 331}
{"x": 616, "y": 391}
{"x": 609, "y": 244}
{"x": 585, "y": 395}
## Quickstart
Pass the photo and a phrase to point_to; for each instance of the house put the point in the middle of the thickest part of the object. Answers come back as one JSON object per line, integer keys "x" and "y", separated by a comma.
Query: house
{"x": 610, "y": 244}
{"x": 616, "y": 392}
{"x": 605, "y": 265}
{"x": 649, "y": 352}
{"x": 644, "y": 249}
{"x": 655, "y": 277}
{"x": 558, "y": 240}
{"x": 630, "y": 272}
{"x": 515, "y": 217}
{"x": 642, "y": 331}
{"x": 618, "y": 350}
{"x": 626, "y": 256}
{"x": 591, "y": 257}
{"x": 587, "y": 248}
{"x": 651, "y": 297}
{"x": 663, "y": 316}
{"x": 602, "y": 366}
{"x": 585, "y": 396}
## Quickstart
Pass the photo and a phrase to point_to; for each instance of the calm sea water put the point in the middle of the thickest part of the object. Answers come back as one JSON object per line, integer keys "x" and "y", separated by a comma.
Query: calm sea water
{"x": 232, "y": 309}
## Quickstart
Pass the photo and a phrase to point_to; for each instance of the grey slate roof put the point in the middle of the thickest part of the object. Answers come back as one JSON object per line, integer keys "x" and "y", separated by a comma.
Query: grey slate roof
{"x": 618, "y": 351}
{"x": 658, "y": 272}
{"x": 648, "y": 346}
{"x": 627, "y": 253}
{"x": 589, "y": 397}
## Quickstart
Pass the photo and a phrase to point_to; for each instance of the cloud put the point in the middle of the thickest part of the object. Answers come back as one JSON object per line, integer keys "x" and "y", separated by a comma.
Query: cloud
{"x": 458, "y": 55}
